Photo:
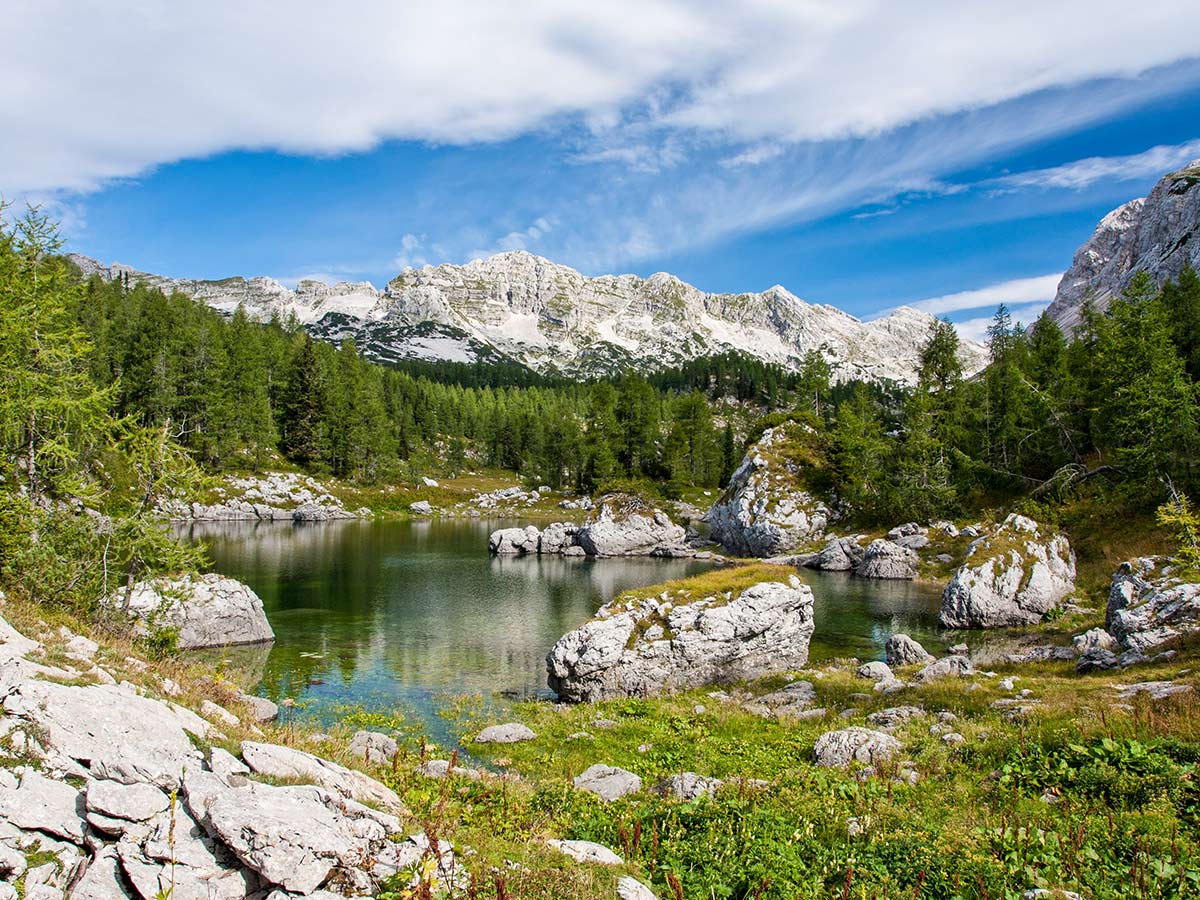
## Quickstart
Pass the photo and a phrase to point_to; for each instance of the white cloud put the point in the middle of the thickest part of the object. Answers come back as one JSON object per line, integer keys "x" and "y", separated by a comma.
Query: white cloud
{"x": 91, "y": 92}
{"x": 1014, "y": 293}
{"x": 1083, "y": 173}
{"x": 412, "y": 253}
{"x": 525, "y": 239}
{"x": 976, "y": 329}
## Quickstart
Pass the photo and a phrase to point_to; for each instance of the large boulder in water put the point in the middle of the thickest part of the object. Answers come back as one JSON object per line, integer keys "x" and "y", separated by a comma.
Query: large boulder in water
{"x": 639, "y": 647}
{"x": 838, "y": 555}
{"x": 626, "y": 525}
{"x": 1013, "y": 575}
{"x": 205, "y": 611}
{"x": 885, "y": 559}
{"x": 1149, "y": 605}
{"x": 515, "y": 541}
{"x": 768, "y": 509}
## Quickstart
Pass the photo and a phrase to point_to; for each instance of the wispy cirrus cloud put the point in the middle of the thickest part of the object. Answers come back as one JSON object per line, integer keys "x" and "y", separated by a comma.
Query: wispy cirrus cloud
{"x": 1083, "y": 173}
{"x": 1017, "y": 292}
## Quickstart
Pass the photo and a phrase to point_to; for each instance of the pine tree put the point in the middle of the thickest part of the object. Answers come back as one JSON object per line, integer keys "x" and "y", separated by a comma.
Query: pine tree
{"x": 302, "y": 425}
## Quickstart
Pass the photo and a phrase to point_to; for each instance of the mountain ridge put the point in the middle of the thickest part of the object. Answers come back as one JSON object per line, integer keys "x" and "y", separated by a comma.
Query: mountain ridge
{"x": 1157, "y": 234}
{"x": 549, "y": 317}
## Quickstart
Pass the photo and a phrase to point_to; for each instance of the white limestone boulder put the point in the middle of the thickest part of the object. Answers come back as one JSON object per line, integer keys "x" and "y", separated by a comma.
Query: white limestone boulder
{"x": 1013, "y": 575}
{"x": 767, "y": 508}
{"x": 205, "y": 611}
{"x": 656, "y": 645}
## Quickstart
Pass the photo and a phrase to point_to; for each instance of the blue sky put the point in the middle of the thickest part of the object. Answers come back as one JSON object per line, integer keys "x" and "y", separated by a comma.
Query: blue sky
{"x": 861, "y": 153}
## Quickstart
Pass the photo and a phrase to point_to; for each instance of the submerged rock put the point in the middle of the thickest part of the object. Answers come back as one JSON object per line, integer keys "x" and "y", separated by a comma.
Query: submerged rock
{"x": 768, "y": 509}
{"x": 651, "y": 646}
{"x": 1013, "y": 576}
{"x": 205, "y": 611}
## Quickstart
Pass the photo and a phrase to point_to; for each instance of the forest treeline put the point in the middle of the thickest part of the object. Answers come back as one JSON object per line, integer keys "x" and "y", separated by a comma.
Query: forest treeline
{"x": 238, "y": 390}
{"x": 1117, "y": 401}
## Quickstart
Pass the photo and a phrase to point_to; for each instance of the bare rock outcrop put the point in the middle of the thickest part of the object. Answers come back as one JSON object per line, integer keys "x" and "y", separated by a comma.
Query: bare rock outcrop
{"x": 654, "y": 645}
{"x": 1150, "y": 606}
{"x": 205, "y": 611}
{"x": 1013, "y": 575}
{"x": 768, "y": 508}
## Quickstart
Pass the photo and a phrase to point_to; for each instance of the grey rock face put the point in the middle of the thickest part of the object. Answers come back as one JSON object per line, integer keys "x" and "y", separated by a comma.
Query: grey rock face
{"x": 607, "y": 782}
{"x": 623, "y": 525}
{"x": 508, "y": 733}
{"x": 514, "y": 541}
{"x": 688, "y": 786}
{"x": 629, "y": 888}
{"x": 293, "y": 837}
{"x": 885, "y": 559}
{"x": 373, "y": 747}
{"x": 286, "y": 762}
{"x": 421, "y": 508}
{"x": 261, "y": 709}
{"x": 133, "y": 802}
{"x": 1148, "y": 607}
{"x": 838, "y": 749}
{"x": 838, "y": 555}
{"x": 1096, "y": 659}
{"x": 876, "y": 671}
{"x": 655, "y": 646}
{"x": 765, "y": 511}
{"x": 1093, "y": 639}
{"x": 1157, "y": 235}
{"x": 901, "y": 650}
{"x": 556, "y": 537}
{"x": 587, "y": 852}
{"x": 946, "y": 667}
{"x": 207, "y": 611}
{"x": 115, "y": 733}
{"x": 43, "y": 804}
{"x": 1013, "y": 576}
{"x": 544, "y": 315}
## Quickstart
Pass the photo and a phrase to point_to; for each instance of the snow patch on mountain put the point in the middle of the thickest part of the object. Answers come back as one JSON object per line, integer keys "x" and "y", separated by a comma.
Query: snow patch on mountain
{"x": 552, "y": 318}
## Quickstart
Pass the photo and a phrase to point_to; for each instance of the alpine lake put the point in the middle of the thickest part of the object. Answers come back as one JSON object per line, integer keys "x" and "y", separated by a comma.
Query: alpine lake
{"x": 405, "y": 616}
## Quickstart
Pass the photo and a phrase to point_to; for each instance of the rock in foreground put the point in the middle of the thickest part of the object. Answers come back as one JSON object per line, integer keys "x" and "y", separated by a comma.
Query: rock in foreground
{"x": 640, "y": 647}
{"x": 1012, "y": 576}
{"x": 1149, "y": 606}
{"x": 205, "y": 611}
{"x": 885, "y": 559}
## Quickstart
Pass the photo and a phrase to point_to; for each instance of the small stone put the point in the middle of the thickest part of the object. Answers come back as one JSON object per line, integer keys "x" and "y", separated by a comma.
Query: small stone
{"x": 587, "y": 852}
{"x": 373, "y": 747}
{"x": 629, "y": 888}
{"x": 876, "y": 671}
{"x": 607, "y": 782}
{"x": 508, "y": 733}
{"x": 953, "y": 739}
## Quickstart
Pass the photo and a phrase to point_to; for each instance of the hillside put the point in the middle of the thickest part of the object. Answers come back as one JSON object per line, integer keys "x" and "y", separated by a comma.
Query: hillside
{"x": 552, "y": 318}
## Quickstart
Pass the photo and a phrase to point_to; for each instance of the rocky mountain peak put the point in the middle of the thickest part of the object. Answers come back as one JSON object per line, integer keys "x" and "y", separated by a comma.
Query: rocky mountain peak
{"x": 1157, "y": 234}
{"x": 524, "y": 307}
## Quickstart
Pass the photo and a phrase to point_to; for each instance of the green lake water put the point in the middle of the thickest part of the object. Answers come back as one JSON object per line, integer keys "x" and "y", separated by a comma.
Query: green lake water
{"x": 399, "y": 615}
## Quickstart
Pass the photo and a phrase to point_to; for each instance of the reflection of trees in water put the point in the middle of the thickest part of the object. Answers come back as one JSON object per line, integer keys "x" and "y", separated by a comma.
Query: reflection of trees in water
{"x": 409, "y": 604}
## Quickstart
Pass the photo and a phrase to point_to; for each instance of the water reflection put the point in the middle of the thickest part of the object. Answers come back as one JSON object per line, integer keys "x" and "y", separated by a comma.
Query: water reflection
{"x": 394, "y": 613}
{"x": 388, "y": 613}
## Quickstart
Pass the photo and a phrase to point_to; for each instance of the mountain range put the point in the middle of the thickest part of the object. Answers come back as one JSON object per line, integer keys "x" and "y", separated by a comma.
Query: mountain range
{"x": 551, "y": 318}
